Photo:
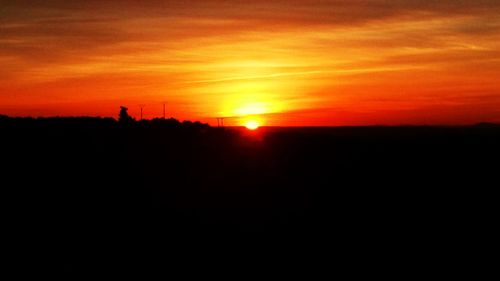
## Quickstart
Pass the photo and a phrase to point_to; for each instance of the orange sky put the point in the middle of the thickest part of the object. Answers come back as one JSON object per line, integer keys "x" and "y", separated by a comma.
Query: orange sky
{"x": 284, "y": 62}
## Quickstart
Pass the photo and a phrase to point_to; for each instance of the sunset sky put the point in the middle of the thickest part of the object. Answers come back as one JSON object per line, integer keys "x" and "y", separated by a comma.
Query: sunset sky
{"x": 282, "y": 62}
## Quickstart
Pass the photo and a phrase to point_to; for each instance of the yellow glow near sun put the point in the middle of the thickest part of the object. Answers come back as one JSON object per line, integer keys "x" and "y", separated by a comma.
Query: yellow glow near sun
{"x": 249, "y": 88}
{"x": 252, "y": 125}
{"x": 252, "y": 109}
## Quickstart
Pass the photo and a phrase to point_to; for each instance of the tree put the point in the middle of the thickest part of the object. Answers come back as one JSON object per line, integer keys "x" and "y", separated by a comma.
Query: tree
{"x": 123, "y": 117}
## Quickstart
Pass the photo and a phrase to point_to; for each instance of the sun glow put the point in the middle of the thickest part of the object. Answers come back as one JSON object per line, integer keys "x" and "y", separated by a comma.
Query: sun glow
{"x": 252, "y": 109}
{"x": 252, "y": 125}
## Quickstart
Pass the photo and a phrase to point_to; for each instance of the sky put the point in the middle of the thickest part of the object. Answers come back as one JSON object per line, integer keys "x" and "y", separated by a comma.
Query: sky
{"x": 281, "y": 63}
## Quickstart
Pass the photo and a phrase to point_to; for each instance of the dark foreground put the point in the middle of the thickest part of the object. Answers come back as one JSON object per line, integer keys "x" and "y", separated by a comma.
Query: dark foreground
{"x": 88, "y": 196}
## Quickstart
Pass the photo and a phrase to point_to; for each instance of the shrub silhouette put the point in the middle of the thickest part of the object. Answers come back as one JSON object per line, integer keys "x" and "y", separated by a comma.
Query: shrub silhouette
{"x": 123, "y": 117}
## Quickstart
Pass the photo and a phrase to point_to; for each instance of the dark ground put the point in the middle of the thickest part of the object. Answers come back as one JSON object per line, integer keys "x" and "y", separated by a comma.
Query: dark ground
{"x": 89, "y": 195}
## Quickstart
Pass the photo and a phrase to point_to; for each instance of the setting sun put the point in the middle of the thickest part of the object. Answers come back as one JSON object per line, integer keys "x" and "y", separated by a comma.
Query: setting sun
{"x": 252, "y": 125}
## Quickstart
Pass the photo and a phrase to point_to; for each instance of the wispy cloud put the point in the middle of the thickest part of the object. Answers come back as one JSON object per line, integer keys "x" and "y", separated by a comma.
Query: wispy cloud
{"x": 210, "y": 56}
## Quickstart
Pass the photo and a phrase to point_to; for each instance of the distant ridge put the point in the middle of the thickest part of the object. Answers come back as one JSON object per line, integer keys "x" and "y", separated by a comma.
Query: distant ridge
{"x": 486, "y": 125}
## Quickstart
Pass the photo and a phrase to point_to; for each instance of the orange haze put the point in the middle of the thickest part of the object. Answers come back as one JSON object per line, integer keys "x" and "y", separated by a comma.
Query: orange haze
{"x": 279, "y": 62}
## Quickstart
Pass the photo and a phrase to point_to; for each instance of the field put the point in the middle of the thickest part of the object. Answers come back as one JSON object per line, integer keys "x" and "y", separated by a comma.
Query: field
{"x": 99, "y": 194}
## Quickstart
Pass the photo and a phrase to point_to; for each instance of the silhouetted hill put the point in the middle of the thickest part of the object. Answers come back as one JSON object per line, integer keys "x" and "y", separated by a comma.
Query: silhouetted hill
{"x": 487, "y": 125}
{"x": 106, "y": 195}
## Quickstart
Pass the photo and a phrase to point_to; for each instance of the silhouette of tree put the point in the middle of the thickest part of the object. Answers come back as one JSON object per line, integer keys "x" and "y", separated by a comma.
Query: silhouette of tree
{"x": 123, "y": 116}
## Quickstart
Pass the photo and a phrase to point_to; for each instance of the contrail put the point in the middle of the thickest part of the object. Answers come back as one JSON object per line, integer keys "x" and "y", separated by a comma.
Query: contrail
{"x": 303, "y": 73}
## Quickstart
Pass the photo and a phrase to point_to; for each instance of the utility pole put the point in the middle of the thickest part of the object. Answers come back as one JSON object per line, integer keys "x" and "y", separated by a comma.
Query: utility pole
{"x": 163, "y": 111}
{"x": 220, "y": 121}
{"x": 142, "y": 107}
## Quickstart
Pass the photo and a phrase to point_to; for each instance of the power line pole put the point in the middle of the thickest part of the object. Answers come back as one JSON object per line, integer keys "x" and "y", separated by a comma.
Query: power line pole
{"x": 163, "y": 111}
{"x": 220, "y": 121}
{"x": 142, "y": 107}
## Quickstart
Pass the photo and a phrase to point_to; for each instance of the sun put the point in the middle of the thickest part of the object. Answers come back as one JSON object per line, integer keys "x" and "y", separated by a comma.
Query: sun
{"x": 252, "y": 125}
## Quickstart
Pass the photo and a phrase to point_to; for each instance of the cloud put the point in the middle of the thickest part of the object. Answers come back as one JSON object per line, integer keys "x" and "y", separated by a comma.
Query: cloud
{"x": 322, "y": 52}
